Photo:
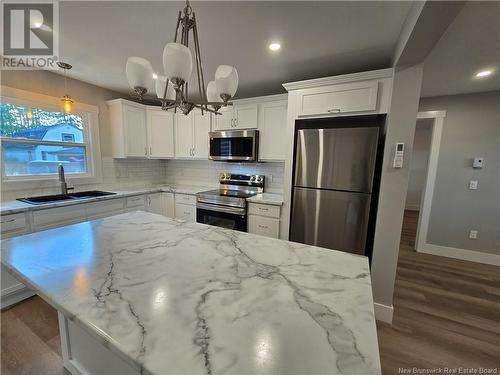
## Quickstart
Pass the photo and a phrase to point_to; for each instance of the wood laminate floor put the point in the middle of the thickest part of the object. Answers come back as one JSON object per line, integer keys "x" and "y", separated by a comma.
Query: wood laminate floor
{"x": 446, "y": 314}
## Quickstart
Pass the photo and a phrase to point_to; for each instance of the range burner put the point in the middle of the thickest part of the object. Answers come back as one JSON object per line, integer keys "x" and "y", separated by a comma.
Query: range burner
{"x": 226, "y": 206}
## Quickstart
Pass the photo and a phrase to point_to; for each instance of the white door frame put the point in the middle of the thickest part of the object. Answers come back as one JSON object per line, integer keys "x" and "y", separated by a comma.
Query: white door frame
{"x": 426, "y": 201}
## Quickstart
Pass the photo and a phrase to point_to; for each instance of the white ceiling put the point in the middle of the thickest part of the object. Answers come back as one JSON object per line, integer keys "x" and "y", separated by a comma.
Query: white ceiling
{"x": 318, "y": 38}
{"x": 470, "y": 44}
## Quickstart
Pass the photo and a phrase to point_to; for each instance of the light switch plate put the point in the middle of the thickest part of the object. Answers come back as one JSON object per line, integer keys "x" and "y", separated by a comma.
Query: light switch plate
{"x": 473, "y": 234}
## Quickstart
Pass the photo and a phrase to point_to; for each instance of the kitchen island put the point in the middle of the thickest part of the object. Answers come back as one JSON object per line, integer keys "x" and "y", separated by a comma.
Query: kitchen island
{"x": 139, "y": 293}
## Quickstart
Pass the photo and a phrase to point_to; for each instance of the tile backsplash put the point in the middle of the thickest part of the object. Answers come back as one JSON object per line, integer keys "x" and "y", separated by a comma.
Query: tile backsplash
{"x": 206, "y": 172}
{"x": 123, "y": 174}
{"x": 117, "y": 174}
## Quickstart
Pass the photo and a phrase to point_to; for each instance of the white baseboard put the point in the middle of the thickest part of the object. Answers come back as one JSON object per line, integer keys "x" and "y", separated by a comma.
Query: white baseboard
{"x": 383, "y": 312}
{"x": 463, "y": 254}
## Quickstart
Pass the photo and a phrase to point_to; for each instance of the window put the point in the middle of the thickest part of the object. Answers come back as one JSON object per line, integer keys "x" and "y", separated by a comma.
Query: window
{"x": 67, "y": 137}
{"x": 35, "y": 141}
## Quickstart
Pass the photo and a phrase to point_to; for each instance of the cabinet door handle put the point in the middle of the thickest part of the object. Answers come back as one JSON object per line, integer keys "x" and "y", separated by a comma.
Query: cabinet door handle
{"x": 150, "y": 150}
{"x": 7, "y": 221}
{"x": 145, "y": 151}
{"x": 263, "y": 226}
{"x": 263, "y": 209}
{"x": 334, "y": 110}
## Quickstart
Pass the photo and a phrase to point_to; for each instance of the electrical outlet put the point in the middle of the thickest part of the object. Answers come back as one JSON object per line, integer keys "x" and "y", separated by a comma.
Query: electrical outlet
{"x": 473, "y": 234}
{"x": 472, "y": 184}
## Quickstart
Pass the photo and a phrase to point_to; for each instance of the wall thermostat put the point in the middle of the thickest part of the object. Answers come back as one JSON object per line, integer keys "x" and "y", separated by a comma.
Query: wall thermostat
{"x": 398, "y": 155}
{"x": 477, "y": 162}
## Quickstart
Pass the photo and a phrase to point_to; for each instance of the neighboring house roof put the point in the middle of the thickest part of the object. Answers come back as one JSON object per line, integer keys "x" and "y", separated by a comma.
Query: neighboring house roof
{"x": 38, "y": 133}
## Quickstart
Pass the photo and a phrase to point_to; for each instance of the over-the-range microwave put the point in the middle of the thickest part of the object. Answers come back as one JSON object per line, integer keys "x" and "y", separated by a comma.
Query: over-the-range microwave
{"x": 233, "y": 145}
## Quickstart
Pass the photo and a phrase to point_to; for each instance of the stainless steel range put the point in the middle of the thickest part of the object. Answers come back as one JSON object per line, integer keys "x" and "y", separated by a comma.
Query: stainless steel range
{"x": 227, "y": 206}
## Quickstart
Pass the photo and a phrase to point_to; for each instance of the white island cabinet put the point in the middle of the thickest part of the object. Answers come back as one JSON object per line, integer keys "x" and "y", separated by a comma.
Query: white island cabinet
{"x": 175, "y": 287}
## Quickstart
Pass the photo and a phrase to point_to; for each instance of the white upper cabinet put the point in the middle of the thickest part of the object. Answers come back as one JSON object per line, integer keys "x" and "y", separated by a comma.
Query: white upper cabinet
{"x": 225, "y": 120}
{"x": 245, "y": 116}
{"x": 183, "y": 136}
{"x": 201, "y": 126}
{"x": 238, "y": 116}
{"x": 191, "y": 135}
{"x": 160, "y": 126}
{"x": 338, "y": 99}
{"x": 272, "y": 127}
{"x": 134, "y": 120}
{"x": 128, "y": 129}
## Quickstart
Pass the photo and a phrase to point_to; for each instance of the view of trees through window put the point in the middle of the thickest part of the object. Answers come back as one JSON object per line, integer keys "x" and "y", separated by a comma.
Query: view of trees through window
{"x": 32, "y": 137}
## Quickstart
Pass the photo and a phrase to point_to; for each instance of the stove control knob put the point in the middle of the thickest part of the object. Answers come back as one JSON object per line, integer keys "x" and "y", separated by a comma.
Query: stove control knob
{"x": 259, "y": 179}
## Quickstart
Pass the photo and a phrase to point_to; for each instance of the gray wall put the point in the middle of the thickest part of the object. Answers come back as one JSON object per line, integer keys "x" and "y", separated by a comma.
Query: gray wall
{"x": 400, "y": 127}
{"x": 418, "y": 164}
{"x": 471, "y": 128}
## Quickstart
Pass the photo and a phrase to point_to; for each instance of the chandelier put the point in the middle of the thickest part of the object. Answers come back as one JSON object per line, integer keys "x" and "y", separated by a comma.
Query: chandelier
{"x": 173, "y": 88}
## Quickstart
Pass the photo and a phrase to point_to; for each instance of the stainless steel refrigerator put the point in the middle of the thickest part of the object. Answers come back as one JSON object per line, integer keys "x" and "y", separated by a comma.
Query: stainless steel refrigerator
{"x": 333, "y": 184}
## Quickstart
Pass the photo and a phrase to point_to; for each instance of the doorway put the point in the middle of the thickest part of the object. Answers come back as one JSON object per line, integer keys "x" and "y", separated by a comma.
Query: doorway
{"x": 423, "y": 168}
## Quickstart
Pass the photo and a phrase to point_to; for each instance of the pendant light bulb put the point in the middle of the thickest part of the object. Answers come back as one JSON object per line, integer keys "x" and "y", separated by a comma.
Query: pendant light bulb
{"x": 67, "y": 102}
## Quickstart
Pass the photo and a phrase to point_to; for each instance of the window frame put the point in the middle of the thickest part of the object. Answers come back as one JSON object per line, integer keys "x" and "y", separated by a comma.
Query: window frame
{"x": 90, "y": 120}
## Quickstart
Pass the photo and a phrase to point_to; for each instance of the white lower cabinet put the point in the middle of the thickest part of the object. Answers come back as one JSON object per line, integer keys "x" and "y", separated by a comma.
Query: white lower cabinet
{"x": 96, "y": 210}
{"x": 264, "y": 226}
{"x": 155, "y": 204}
{"x": 168, "y": 203}
{"x": 185, "y": 207}
{"x": 54, "y": 217}
{"x": 185, "y": 212}
{"x": 136, "y": 203}
{"x": 264, "y": 219}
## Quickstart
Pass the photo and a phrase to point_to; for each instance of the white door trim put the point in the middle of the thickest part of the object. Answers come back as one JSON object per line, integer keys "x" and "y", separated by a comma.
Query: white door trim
{"x": 426, "y": 201}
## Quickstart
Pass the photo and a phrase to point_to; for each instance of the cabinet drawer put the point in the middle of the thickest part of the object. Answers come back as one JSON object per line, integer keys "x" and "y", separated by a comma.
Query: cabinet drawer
{"x": 59, "y": 216}
{"x": 264, "y": 210}
{"x": 338, "y": 99}
{"x": 185, "y": 212}
{"x": 104, "y": 208}
{"x": 14, "y": 222}
{"x": 185, "y": 199}
{"x": 137, "y": 201}
{"x": 264, "y": 226}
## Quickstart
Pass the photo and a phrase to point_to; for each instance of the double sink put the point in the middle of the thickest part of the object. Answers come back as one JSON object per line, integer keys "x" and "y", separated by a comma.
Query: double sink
{"x": 44, "y": 199}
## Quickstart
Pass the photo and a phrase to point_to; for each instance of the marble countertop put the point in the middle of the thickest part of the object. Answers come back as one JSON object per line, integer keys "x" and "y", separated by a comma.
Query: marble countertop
{"x": 11, "y": 207}
{"x": 175, "y": 298}
{"x": 267, "y": 198}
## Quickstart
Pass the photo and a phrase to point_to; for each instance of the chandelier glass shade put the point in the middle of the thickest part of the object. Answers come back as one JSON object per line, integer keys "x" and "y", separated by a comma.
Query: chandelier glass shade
{"x": 139, "y": 75}
{"x": 180, "y": 58}
{"x": 160, "y": 84}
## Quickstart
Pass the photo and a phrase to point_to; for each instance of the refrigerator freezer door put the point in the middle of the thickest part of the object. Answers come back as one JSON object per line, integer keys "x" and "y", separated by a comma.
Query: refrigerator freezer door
{"x": 336, "y": 158}
{"x": 333, "y": 219}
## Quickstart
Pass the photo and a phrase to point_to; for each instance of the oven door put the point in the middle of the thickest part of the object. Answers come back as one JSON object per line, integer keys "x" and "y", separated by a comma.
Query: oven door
{"x": 220, "y": 216}
{"x": 235, "y": 145}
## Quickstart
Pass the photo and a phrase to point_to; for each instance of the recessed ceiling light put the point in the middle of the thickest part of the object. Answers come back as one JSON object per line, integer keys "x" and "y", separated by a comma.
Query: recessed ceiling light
{"x": 155, "y": 75}
{"x": 274, "y": 46}
{"x": 483, "y": 73}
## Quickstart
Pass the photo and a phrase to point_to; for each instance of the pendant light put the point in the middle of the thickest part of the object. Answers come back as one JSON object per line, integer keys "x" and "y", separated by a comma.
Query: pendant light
{"x": 178, "y": 65}
{"x": 66, "y": 100}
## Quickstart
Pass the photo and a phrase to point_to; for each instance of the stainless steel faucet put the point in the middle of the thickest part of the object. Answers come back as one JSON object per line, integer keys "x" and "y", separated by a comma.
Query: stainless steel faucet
{"x": 62, "y": 181}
